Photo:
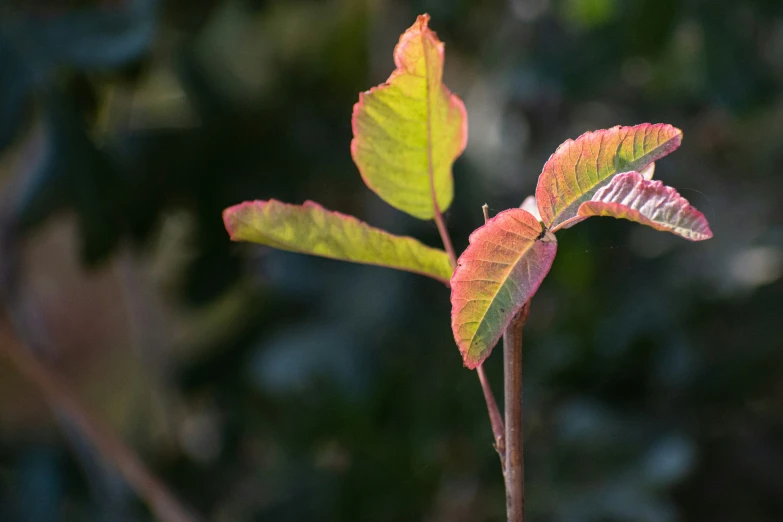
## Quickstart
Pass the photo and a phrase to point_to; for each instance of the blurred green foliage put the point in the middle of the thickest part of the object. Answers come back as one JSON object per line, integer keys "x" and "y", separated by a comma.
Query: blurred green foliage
{"x": 653, "y": 368}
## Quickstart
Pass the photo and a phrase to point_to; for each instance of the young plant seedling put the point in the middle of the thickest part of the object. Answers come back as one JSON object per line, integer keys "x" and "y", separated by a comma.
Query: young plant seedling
{"x": 407, "y": 134}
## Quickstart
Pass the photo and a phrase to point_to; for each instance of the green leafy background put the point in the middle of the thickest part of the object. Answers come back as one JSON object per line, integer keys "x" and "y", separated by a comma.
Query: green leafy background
{"x": 263, "y": 385}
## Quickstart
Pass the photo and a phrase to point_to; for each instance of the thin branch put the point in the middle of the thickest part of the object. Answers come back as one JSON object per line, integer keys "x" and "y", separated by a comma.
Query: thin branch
{"x": 442, "y": 230}
{"x": 164, "y": 506}
{"x": 495, "y": 419}
{"x": 514, "y": 470}
{"x": 62, "y": 401}
{"x": 494, "y": 415}
{"x": 444, "y": 236}
{"x": 492, "y": 406}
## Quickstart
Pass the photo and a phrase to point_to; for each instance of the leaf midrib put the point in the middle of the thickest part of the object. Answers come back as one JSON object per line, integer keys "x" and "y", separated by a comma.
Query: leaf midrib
{"x": 511, "y": 267}
{"x": 430, "y": 170}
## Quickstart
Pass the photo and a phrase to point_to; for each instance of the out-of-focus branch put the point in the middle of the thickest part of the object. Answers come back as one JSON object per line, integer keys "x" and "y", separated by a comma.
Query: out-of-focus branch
{"x": 162, "y": 503}
{"x": 19, "y": 344}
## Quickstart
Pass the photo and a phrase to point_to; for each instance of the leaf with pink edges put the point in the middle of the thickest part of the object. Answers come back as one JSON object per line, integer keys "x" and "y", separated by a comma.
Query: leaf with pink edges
{"x": 311, "y": 229}
{"x": 408, "y": 131}
{"x": 498, "y": 273}
{"x": 580, "y": 167}
{"x": 630, "y": 196}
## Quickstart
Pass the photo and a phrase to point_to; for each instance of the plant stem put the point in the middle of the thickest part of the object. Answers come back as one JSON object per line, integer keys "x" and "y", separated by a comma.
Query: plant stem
{"x": 164, "y": 506}
{"x": 495, "y": 419}
{"x": 514, "y": 468}
{"x": 444, "y": 236}
{"x": 492, "y": 406}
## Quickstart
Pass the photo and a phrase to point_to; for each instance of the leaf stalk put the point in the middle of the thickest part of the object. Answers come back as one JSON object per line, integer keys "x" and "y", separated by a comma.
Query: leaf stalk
{"x": 495, "y": 419}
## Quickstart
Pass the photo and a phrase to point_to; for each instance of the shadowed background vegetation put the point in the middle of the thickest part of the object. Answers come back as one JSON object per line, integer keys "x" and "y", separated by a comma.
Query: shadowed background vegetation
{"x": 268, "y": 386}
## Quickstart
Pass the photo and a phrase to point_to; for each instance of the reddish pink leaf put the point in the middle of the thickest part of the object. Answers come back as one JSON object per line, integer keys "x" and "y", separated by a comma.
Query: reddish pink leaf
{"x": 580, "y": 167}
{"x": 630, "y": 196}
{"x": 497, "y": 274}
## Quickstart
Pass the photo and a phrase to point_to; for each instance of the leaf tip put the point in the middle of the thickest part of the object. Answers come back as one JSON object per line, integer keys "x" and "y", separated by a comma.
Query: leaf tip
{"x": 676, "y": 136}
{"x": 420, "y": 28}
{"x": 705, "y": 233}
{"x": 422, "y": 21}
{"x": 468, "y": 362}
{"x": 233, "y": 217}
{"x": 649, "y": 202}
{"x": 229, "y": 219}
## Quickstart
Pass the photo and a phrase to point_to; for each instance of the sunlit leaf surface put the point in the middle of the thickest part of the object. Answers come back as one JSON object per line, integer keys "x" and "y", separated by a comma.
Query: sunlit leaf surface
{"x": 497, "y": 274}
{"x": 630, "y": 196}
{"x": 582, "y": 166}
{"x": 409, "y": 130}
{"x": 311, "y": 229}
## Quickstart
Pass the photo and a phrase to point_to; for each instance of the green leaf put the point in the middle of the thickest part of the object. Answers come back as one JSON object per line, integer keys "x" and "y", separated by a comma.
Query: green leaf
{"x": 630, "y": 196}
{"x": 311, "y": 229}
{"x": 580, "y": 167}
{"x": 497, "y": 274}
{"x": 409, "y": 130}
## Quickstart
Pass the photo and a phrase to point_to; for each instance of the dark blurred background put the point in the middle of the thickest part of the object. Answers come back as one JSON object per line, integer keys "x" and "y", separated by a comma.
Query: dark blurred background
{"x": 268, "y": 386}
